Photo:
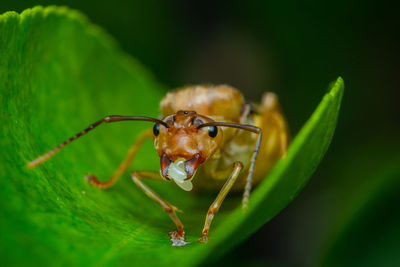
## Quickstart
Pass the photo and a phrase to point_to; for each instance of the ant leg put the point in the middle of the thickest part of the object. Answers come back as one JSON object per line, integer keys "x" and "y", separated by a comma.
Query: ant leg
{"x": 274, "y": 143}
{"x": 124, "y": 165}
{"x": 246, "y": 110}
{"x": 249, "y": 178}
{"x": 167, "y": 207}
{"x": 271, "y": 112}
{"x": 237, "y": 167}
{"x": 284, "y": 134}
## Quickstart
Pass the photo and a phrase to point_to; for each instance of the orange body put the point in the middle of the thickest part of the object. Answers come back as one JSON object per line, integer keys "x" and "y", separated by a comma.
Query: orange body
{"x": 224, "y": 104}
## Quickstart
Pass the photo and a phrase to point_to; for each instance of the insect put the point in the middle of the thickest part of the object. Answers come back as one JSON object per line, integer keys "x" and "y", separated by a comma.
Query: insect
{"x": 209, "y": 132}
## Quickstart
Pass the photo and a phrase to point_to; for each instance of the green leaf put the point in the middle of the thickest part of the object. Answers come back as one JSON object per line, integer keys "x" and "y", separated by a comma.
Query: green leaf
{"x": 59, "y": 73}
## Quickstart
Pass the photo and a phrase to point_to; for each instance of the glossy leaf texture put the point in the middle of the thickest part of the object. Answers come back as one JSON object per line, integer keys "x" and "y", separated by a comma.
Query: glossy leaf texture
{"x": 58, "y": 74}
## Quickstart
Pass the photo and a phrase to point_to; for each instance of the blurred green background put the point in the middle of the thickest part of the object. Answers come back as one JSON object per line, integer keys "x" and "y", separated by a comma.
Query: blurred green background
{"x": 348, "y": 214}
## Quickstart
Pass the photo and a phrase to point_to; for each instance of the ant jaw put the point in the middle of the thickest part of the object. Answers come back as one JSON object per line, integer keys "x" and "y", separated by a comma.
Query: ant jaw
{"x": 192, "y": 164}
{"x": 165, "y": 162}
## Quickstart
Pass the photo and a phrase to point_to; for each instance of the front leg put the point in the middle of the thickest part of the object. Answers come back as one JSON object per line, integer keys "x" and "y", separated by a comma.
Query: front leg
{"x": 177, "y": 236}
{"x": 148, "y": 134}
{"x": 237, "y": 167}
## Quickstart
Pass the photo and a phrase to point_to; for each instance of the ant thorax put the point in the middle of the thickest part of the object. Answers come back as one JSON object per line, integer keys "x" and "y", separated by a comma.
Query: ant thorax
{"x": 221, "y": 103}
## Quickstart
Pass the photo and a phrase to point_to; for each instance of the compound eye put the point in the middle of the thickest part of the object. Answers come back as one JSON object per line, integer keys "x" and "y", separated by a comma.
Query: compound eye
{"x": 156, "y": 129}
{"x": 212, "y": 131}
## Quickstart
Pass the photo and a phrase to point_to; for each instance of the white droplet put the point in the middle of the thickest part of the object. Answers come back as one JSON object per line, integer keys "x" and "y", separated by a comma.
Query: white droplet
{"x": 186, "y": 185}
{"x": 177, "y": 172}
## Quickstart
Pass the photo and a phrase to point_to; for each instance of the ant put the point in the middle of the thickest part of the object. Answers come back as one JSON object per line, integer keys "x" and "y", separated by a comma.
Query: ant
{"x": 208, "y": 130}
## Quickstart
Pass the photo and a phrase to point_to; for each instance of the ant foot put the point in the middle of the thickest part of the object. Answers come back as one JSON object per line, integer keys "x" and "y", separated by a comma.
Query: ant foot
{"x": 95, "y": 182}
{"x": 89, "y": 177}
{"x": 92, "y": 179}
{"x": 177, "y": 238}
{"x": 204, "y": 238}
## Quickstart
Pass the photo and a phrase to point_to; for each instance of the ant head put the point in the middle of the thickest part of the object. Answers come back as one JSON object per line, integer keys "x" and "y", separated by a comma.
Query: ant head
{"x": 184, "y": 144}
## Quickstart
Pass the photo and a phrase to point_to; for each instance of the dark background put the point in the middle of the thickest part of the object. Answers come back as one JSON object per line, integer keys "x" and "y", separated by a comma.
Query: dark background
{"x": 348, "y": 214}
